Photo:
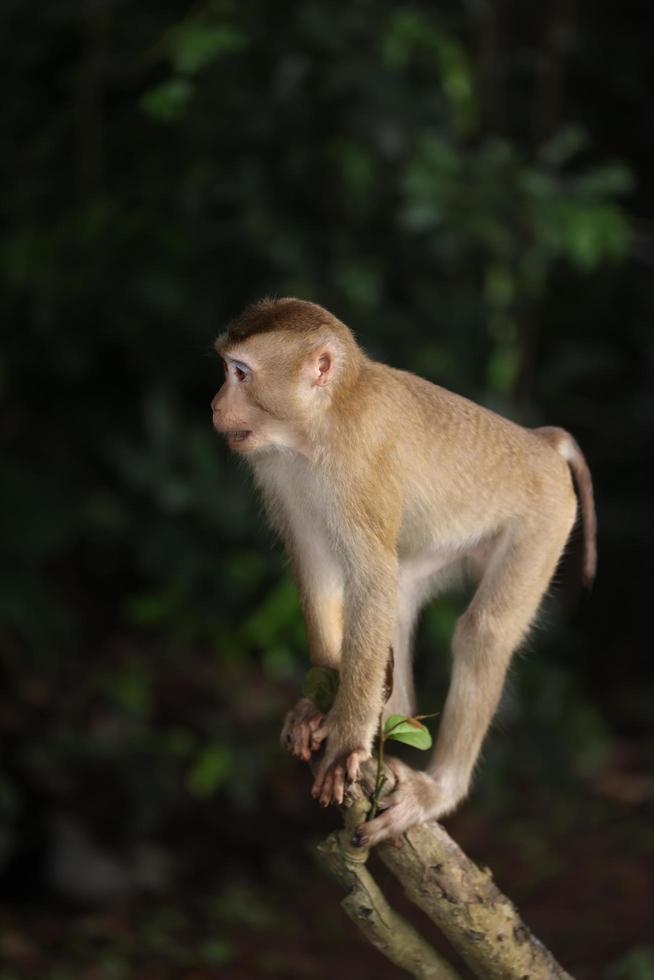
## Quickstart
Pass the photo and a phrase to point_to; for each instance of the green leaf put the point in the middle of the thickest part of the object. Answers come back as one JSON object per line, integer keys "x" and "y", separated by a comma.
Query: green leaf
{"x": 320, "y": 686}
{"x": 167, "y": 102}
{"x": 216, "y": 952}
{"x": 563, "y": 146}
{"x": 194, "y": 45}
{"x": 502, "y": 369}
{"x": 273, "y": 618}
{"x": 153, "y": 609}
{"x": 637, "y": 964}
{"x": 209, "y": 771}
{"x": 132, "y": 689}
{"x": 410, "y": 731}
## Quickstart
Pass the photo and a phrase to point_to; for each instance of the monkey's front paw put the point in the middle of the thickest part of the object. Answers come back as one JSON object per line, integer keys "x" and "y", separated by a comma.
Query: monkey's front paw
{"x": 340, "y": 764}
{"x": 416, "y": 797}
{"x": 299, "y": 727}
{"x": 329, "y": 783}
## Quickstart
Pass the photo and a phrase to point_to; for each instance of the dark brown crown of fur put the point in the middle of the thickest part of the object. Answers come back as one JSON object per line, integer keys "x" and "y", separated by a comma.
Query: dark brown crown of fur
{"x": 277, "y": 314}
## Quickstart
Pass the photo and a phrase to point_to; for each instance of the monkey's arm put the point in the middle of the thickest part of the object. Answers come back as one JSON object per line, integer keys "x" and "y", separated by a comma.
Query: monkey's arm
{"x": 368, "y": 622}
{"x": 320, "y": 584}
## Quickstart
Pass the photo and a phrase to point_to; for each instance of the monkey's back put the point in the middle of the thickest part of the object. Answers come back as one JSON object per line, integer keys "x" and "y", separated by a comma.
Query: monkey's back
{"x": 464, "y": 463}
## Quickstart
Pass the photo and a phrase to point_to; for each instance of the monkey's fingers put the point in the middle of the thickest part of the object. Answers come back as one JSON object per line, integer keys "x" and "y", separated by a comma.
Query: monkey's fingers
{"x": 301, "y": 736}
{"x": 323, "y": 781}
{"x": 338, "y": 791}
{"x": 318, "y": 736}
{"x": 329, "y": 779}
{"x": 284, "y": 736}
{"x": 333, "y": 786}
{"x": 353, "y": 765}
{"x": 327, "y": 790}
{"x": 318, "y": 779}
{"x": 299, "y": 725}
{"x": 292, "y": 736}
{"x": 309, "y": 727}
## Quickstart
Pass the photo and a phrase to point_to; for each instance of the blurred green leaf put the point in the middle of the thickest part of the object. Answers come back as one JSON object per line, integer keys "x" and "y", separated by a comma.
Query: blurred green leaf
{"x": 169, "y": 101}
{"x": 196, "y": 44}
{"x": 565, "y": 144}
{"x": 132, "y": 688}
{"x": 210, "y": 770}
{"x": 358, "y": 167}
{"x": 637, "y": 964}
{"x": 273, "y": 616}
{"x": 239, "y": 903}
{"x": 320, "y": 686}
{"x": 216, "y": 952}
{"x": 153, "y": 609}
{"x": 279, "y": 663}
{"x": 503, "y": 366}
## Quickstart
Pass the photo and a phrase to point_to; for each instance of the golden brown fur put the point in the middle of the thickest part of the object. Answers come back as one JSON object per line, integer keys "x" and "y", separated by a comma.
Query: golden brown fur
{"x": 385, "y": 488}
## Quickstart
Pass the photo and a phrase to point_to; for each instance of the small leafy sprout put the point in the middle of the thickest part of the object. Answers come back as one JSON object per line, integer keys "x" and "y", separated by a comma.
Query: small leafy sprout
{"x": 399, "y": 728}
{"x": 411, "y": 731}
{"x": 320, "y": 686}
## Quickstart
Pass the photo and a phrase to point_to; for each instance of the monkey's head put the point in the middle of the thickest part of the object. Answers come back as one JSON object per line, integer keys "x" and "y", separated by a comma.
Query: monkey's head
{"x": 284, "y": 361}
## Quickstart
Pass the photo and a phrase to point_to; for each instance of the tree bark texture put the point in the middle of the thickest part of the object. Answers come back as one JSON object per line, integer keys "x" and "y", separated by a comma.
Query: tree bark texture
{"x": 480, "y": 922}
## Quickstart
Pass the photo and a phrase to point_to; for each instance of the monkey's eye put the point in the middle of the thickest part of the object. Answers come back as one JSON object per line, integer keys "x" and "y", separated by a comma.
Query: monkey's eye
{"x": 240, "y": 371}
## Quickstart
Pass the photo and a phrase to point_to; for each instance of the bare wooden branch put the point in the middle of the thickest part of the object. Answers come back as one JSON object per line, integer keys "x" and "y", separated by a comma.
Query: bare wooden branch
{"x": 480, "y": 922}
{"x": 365, "y": 904}
{"x": 462, "y": 899}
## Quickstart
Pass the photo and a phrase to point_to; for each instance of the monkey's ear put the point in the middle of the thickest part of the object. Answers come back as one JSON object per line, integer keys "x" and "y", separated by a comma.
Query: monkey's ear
{"x": 321, "y": 364}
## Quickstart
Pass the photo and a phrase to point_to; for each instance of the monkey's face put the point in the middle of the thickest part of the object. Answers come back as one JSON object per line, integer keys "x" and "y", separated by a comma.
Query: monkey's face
{"x": 237, "y": 415}
{"x": 263, "y": 400}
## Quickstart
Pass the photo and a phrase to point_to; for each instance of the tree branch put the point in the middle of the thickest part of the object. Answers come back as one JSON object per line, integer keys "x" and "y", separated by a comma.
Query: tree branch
{"x": 366, "y": 906}
{"x": 479, "y": 921}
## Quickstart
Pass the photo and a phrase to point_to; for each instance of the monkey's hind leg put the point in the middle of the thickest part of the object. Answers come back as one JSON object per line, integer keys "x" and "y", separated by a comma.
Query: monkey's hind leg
{"x": 403, "y": 696}
{"x": 517, "y": 574}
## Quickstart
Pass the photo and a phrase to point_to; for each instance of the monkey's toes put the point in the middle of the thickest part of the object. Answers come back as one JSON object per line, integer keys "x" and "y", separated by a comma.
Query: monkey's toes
{"x": 367, "y": 836}
{"x": 360, "y": 837}
{"x": 373, "y": 832}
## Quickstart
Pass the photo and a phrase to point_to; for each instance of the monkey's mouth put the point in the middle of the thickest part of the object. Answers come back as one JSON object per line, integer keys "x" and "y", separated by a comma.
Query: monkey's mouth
{"x": 236, "y": 436}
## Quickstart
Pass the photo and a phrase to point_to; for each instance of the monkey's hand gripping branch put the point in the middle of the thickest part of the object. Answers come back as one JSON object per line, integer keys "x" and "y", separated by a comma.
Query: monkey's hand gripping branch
{"x": 312, "y": 725}
{"x": 305, "y": 731}
{"x": 303, "y": 720}
{"x": 300, "y": 724}
{"x": 340, "y": 762}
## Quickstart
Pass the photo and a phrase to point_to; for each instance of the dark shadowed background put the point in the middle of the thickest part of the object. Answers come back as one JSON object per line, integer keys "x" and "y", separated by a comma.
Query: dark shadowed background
{"x": 469, "y": 186}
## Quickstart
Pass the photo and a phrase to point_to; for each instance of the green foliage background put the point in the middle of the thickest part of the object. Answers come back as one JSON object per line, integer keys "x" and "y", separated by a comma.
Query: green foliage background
{"x": 461, "y": 186}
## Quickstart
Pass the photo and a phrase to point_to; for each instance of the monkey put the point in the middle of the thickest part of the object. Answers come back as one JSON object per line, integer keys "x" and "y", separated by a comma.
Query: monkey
{"x": 385, "y": 489}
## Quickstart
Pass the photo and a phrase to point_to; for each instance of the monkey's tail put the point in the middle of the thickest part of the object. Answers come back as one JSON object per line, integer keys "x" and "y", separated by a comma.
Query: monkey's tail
{"x": 568, "y": 447}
